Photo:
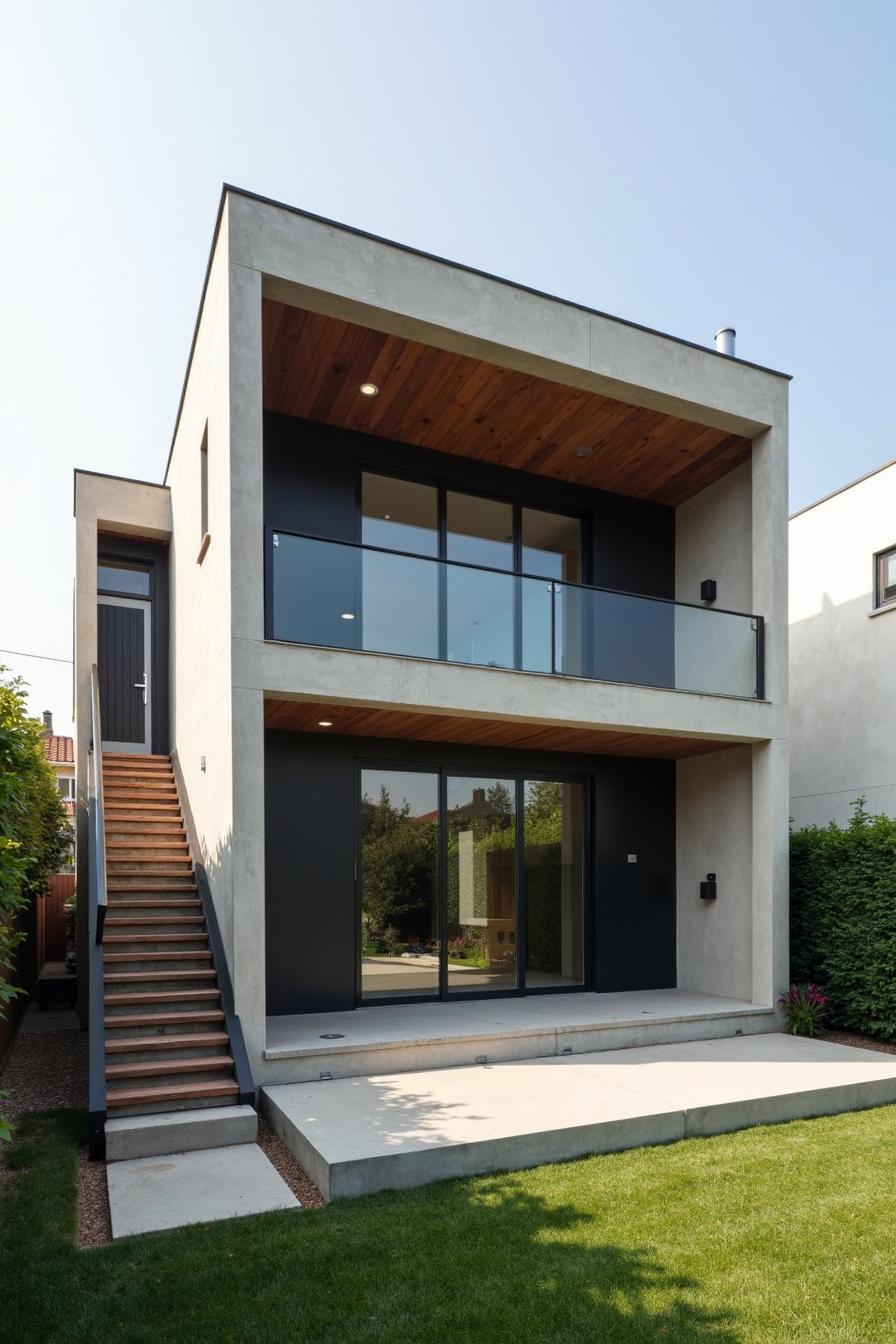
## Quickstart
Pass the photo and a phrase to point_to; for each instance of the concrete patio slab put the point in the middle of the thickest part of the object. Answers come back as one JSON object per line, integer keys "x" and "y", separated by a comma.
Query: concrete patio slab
{"x": 393, "y": 1038}
{"x": 357, "y": 1135}
{"x": 155, "y": 1194}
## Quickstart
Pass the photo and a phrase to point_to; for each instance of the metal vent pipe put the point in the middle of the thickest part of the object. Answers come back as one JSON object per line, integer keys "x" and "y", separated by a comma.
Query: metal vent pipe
{"x": 724, "y": 339}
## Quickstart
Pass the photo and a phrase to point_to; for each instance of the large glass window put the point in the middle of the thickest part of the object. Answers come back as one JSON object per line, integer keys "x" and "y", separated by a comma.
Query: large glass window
{"x": 399, "y": 515}
{"x": 552, "y": 545}
{"x": 480, "y": 530}
{"x": 553, "y": 849}
{"x": 399, "y": 883}
{"x": 482, "y": 885}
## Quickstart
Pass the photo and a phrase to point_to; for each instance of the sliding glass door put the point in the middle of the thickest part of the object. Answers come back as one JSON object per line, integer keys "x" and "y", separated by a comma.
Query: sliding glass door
{"x": 399, "y": 833}
{"x": 482, "y": 886}
{"x": 553, "y": 854}
{"x": 470, "y": 884}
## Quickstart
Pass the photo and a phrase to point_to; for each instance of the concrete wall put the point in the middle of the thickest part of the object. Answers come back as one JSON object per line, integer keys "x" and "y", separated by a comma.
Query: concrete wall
{"x": 714, "y": 540}
{"x": 843, "y": 655}
{"x": 714, "y": 834}
{"x": 201, "y": 675}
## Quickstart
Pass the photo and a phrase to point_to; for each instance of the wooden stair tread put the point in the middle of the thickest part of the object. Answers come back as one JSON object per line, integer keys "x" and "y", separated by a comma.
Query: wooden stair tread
{"x": 149, "y": 1068}
{"x": 119, "y": 921}
{"x": 151, "y": 846}
{"x": 156, "y": 937}
{"x": 150, "y": 891}
{"x": 191, "y": 903}
{"x": 204, "y": 955}
{"x": 179, "y": 1092}
{"x": 161, "y": 996}
{"x": 186, "y": 1041}
{"x": 162, "y": 1020}
{"x": 142, "y": 977}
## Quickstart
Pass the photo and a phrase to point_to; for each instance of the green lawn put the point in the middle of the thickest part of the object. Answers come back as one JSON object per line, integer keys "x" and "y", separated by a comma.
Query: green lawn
{"x": 774, "y": 1235}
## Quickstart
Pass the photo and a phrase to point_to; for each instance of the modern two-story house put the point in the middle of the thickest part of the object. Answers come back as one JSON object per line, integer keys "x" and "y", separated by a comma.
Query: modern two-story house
{"x": 446, "y": 665}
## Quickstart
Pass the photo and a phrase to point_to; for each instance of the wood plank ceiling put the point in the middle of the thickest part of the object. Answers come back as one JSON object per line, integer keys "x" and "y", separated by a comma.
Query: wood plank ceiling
{"x": 302, "y": 716}
{"x": 314, "y": 365}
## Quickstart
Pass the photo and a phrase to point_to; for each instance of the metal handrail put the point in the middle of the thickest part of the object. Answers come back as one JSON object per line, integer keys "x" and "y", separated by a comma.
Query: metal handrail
{"x": 97, "y": 901}
{"x": 97, "y": 811}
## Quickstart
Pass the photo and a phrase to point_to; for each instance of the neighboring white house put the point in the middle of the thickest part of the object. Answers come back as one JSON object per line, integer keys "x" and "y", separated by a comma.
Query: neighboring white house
{"x": 843, "y": 651}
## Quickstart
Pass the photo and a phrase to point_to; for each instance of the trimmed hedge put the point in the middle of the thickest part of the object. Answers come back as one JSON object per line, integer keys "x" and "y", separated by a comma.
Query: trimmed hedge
{"x": 843, "y": 919}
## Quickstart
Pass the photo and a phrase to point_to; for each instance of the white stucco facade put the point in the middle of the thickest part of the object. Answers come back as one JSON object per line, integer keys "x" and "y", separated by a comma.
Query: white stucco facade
{"x": 732, "y": 803}
{"x": 843, "y": 654}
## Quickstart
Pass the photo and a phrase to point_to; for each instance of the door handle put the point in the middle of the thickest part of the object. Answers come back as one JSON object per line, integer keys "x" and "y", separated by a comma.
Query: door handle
{"x": 142, "y": 686}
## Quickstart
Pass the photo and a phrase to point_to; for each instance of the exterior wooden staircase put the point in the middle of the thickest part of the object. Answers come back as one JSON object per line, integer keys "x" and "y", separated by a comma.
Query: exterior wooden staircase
{"x": 166, "y": 1040}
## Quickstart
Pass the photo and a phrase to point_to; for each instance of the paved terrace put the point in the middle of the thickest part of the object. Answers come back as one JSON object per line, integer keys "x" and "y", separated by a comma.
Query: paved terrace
{"x": 356, "y": 1135}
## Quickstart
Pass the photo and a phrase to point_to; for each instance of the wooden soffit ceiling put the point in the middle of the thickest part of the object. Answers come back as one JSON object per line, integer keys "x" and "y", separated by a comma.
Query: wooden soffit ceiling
{"x": 303, "y": 716}
{"x": 314, "y": 365}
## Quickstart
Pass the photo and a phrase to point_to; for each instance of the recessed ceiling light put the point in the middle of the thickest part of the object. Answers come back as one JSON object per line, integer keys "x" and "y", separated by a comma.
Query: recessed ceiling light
{"x": 368, "y": 389}
{"x": 348, "y": 615}
{"x": 325, "y": 723}
{"x": 584, "y": 451}
{"x": 388, "y": 517}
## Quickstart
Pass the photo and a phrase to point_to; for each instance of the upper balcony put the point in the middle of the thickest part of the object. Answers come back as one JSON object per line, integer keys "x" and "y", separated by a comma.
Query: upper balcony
{"x": 372, "y": 599}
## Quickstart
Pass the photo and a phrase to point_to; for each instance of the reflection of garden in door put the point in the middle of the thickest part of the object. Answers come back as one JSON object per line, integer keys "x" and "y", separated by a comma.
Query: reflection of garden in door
{"x": 490, "y": 906}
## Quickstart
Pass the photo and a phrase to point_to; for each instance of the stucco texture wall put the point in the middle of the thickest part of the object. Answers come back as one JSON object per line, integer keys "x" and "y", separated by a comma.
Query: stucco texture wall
{"x": 842, "y": 656}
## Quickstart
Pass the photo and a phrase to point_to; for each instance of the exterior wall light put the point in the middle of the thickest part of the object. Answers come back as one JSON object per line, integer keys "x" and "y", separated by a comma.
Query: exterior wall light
{"x": 348, "y": 615}
{"x": 368, "y": 389}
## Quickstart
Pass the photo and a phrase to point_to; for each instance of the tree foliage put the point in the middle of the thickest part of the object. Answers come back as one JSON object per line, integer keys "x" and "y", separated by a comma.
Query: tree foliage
{"x": 33, "y": 826}
{"x": 843, "y": 919}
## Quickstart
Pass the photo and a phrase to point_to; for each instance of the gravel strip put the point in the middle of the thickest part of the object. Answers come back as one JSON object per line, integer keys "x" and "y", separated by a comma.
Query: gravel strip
{"x": 861, "y": 1042}
{"x": 94, "y": 1224}
{"x": 45, "y": 1071}
{"x": 295, "y": 1176}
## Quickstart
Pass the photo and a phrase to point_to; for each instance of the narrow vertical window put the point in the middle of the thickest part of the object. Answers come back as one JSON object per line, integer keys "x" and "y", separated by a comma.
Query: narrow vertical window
{"x": 203, "y": 483}
{"x": 203, "y": 496}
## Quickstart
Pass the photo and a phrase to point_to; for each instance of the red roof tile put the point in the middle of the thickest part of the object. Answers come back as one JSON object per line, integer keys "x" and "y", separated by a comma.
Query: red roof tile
{"x": 60, "y": 750}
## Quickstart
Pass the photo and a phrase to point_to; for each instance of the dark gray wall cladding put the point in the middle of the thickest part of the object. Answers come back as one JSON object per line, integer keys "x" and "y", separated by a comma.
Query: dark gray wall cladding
{"x": 311, "y": 911}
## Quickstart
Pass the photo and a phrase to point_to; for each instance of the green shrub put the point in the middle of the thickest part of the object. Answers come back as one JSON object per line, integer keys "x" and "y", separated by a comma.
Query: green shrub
{"x": 843, "y": 919}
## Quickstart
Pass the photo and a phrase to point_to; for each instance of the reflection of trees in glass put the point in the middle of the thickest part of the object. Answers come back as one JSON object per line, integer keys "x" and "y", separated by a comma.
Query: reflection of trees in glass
{"x": 399, "y": 860}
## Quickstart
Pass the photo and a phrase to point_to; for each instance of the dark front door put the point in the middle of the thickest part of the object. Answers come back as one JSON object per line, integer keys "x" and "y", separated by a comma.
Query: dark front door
{"x": 123, "y": 648}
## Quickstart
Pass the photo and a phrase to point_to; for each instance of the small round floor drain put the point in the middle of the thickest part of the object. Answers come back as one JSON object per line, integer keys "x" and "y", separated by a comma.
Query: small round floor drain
{"x": 332, "y": 1036}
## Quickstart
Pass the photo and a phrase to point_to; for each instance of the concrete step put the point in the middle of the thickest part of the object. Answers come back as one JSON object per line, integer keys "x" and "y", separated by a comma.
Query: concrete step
{"x": 357, "y": 1135}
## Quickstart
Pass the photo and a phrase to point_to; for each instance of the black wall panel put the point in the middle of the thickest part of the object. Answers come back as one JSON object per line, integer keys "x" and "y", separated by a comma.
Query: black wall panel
{"x": 311, "y": 911}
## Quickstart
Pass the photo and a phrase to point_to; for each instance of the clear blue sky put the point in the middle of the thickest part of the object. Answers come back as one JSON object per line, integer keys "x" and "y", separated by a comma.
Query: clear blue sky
{"x": 682, "y": 163}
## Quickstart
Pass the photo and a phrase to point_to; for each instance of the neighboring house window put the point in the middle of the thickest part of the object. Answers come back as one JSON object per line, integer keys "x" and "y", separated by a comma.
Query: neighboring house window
{"x": 885, "y": 581}
{"x": 66, "y": 788}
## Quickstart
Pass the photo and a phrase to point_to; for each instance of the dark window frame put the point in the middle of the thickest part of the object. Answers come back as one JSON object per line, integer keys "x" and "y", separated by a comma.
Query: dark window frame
{"x": 881, "y": 599}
